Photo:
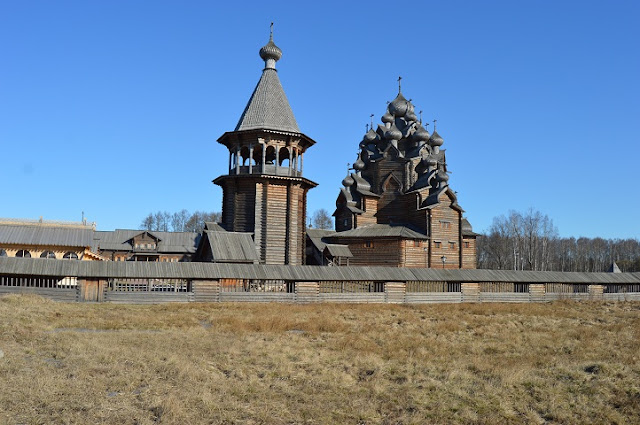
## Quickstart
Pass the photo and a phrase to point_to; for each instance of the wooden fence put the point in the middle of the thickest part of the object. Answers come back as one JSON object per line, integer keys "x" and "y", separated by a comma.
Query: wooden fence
{"x": 153, "y": 291}
{"x": 127, "y": 282}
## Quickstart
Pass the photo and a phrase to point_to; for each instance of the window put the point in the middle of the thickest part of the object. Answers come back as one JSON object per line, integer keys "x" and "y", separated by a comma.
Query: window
{"x": 416, "y": 243}
{"x": 70, "y": 256}
{"x": 345, "y": 222}
{"x": 466, "y": 244}
{"x": 48, "y": 254}
{"x": 368, "y": 244}
{"x": 3, "y": 253}
{"x": 437, "y": 244}
{"x": 445, "y": 224}
{"x": 452, "y": 245}
{"x": 23, "y": 253}
{"x": 521, "y": 287}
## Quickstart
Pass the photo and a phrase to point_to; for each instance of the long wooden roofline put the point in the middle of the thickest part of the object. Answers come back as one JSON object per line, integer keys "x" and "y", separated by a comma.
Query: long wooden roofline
{"x": 11, "y": 266}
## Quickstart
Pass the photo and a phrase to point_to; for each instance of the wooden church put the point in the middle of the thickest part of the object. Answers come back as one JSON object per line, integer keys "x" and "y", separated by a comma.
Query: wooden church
{"x": 396, "y": 208}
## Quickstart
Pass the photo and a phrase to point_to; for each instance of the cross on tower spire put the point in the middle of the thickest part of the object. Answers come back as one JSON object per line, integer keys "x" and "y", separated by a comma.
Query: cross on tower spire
{"x": 271, "y": 31}
{"x": 371, "y": 116}
{"x": 399, "y": 85}
{"x": 434, "y": 124}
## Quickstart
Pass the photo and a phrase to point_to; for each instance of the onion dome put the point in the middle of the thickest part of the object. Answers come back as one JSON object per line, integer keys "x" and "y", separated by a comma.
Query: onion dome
{"x": 393, "y": 133}
{"x": 430, "y": 161}
{"x": 435, "y": 139}
{"x": 421, "y": 134}
{"x": 399, "y": 106}
{"x": 348, "y": 181}
{"x": 387, "y": 117}
{"x": 359, "y": 164}
{"x": 371, "y": 136}
{"x": 270, "y": 53}
{"x": 410, "y": 116}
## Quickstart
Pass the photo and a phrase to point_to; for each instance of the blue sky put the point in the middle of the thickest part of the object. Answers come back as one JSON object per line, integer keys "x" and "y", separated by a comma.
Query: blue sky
{"x": 114, "y": 107}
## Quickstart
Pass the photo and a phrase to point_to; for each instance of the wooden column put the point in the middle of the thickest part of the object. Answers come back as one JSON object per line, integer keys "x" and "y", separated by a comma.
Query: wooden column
{"x": 536, "y": 292}
{"x": 237, "y": 159}
{"x": 307, "y": 292}
{"x": 394, "y": 292}
{"x": 596, "y": 292}
{"x": 250, "y": 158}
{"x": 470, "y": 292}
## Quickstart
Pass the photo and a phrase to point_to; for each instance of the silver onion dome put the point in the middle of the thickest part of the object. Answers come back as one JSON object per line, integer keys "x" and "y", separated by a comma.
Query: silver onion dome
{"x": 348, "y": 181}
{"x": 400, "y": 106}
{"x": 421, "y": 134}
{"x": 359, "y": 164}
{"x": 371, "y": 136}
{"x": 435, "y": 139}
{"x": 270, "y": 53}
{"x": 387, "y": 117}
{"x": 393, "y": 133}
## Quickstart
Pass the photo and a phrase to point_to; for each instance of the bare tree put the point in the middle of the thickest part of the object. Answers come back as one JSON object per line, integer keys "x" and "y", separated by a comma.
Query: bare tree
{"x": 321, "y": 219}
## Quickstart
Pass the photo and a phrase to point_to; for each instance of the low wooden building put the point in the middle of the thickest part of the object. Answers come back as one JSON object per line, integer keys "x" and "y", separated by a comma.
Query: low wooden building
{"x": 47, "y": 239}
{"x": 145, "y": 245}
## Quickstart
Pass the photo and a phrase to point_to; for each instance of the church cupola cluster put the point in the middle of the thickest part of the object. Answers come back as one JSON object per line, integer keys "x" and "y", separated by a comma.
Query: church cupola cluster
{"x": 264, "y": 192}
{"x": 398, "y": 187}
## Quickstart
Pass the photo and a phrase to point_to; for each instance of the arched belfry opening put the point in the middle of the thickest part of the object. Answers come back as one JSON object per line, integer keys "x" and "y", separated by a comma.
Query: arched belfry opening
{"x": 265, "y": 193}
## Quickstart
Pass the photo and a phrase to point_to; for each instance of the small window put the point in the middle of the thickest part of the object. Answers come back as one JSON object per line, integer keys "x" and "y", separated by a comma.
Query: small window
{"x": 437, "y": 244}
{"x": 345, "y": 222}
{"x": 445, "y": 224}
{"x": 48, "y": 254}
{"x": 70, "y": 256}
{"x": 466, "y": 245}
{"x": 416, "y": 243}
{"x": 452, "y": 245}
{"x": 3, "y": 253}
{"x": 368, "y": 244}
{"x": 521, "y": 287}
{"x": 23, "y": 253}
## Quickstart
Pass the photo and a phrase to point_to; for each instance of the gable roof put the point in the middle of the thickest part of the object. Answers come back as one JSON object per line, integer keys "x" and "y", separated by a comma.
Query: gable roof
{"x": 233, "y": 247}
{"x": 176, "y": 242}
{"x": 337, "y": 250}
{"x": 316, "y": 235}
{"x": 268, "y": 107}
{"x": 380, "y": 231}
{"x": 43, "y": 233}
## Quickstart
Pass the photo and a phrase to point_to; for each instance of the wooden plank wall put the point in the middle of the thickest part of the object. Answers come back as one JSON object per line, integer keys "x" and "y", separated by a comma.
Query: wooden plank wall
{"x": 433, "y": 297}
{"x": 206, "y": 291}
{"x": 445, "y": 228}
{"x": 361, "y": 297}
{"x": 257, "y": 297}
{"x": 148, "y": 297}
{"x": 395, "y": 292}
{"x": 385, "y": 252}
{"x": 307, "y": 292}
{"x": 55, "y": 294}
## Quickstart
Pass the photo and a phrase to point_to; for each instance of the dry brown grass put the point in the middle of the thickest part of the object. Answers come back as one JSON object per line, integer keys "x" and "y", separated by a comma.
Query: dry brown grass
{"x": 282, "y": 364}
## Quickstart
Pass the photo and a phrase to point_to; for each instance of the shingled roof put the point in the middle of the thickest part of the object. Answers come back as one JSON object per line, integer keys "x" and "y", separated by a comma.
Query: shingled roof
{"x": 46, "y": 233}
{"x": 268, "y": 107}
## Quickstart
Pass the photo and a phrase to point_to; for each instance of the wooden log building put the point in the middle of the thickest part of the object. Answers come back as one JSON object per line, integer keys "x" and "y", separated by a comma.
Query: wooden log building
{"x": 396, "y": 207}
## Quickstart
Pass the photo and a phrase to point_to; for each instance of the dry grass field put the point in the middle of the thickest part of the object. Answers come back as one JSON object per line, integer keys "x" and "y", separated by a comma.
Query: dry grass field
{"x": 569, "y": 363}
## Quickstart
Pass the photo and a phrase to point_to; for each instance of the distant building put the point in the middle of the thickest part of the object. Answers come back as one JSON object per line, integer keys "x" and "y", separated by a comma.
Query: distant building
{"x": 396, "y": 208}
{"x": 145, "y": 245}
{"x": 47, "y": 239}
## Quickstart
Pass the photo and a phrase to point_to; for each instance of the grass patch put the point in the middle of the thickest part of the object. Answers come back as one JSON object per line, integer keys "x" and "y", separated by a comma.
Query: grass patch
{"x": 280, "y": 364}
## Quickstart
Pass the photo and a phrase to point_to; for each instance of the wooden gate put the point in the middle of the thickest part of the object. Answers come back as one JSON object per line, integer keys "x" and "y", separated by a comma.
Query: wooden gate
{"x": 92, "y": 291}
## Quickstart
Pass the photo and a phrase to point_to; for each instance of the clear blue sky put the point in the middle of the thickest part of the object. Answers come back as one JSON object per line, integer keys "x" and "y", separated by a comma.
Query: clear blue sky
{"x": 114, "y": 107}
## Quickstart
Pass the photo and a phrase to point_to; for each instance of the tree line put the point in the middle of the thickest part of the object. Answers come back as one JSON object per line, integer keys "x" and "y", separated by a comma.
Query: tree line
{"x": 530, "y": 241}
{"x": 181, "y": 221}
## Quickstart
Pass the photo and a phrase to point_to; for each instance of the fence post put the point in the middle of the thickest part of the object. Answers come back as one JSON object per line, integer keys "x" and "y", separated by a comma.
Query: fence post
{"x": 536, "y": 292}
{"x": 205, "y": 291}
{"x": 596, "y": 292}
{"x": 307, "y": 292}
{"x": 394, "y": 292}
{"x": 470, "y": 292}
